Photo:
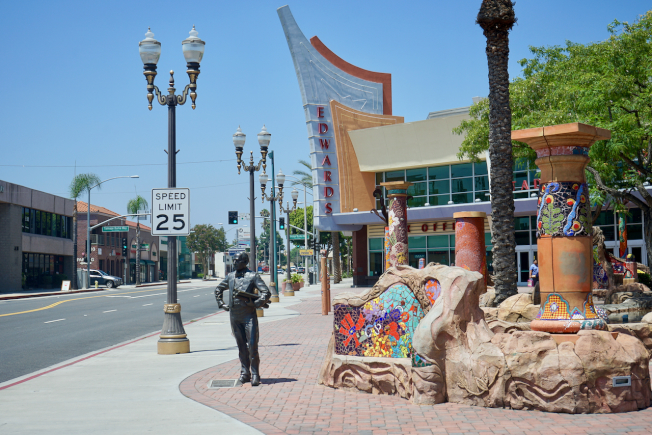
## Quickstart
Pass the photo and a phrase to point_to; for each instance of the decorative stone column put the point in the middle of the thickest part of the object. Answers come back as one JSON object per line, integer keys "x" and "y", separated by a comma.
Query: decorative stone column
{"x": 564, "y": 239}
{"x": 398, "y": 232}
{"x": 470, "y": 249}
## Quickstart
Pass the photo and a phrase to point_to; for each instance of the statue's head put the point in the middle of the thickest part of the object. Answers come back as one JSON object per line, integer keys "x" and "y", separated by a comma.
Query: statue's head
{"x": 241, "y": 261}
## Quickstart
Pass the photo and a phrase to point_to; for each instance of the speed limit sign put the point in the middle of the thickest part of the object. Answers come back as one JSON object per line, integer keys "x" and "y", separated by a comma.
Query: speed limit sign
{"x": 171, "y": 211}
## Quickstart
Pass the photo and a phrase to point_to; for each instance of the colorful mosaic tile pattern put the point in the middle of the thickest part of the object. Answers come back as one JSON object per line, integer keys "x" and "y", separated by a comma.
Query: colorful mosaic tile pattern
{"x": 557, "y": 308}
{"x": 383, "y": 327}
{"x": 564, "y": 210}
{"x": 563, "y": 151}
{"x": 600, "y": 278}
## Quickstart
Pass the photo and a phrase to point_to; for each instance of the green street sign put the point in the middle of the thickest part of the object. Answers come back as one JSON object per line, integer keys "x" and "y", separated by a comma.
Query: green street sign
{"x": 119, "y": 229}
{"x": 298, "y": 237}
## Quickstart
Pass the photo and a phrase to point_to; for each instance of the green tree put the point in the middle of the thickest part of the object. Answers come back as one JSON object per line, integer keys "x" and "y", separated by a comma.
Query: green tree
{"x": 605, "y": 84}
{"x": 205, "y": 240}
{"x": 496, "y": 17}
{"x": 296, "y": 219}
{"x": 81, "y": 183}
{"x": 134, "y": 206}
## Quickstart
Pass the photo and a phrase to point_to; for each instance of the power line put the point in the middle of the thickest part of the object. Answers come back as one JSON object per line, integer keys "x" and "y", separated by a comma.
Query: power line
{"x": 108, "y": 166}
{"x": 201, "y": 187}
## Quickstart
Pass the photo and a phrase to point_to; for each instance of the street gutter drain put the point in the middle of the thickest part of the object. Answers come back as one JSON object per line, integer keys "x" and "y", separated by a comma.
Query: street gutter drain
{"x": 222, "y": 383}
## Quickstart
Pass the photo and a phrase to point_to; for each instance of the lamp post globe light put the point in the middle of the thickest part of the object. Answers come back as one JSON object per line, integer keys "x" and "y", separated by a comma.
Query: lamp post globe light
{"x": 88, "y": 227}
{"x": 289, "y": 291}
{"x": 263, "y": 140}
{"x": 173, "y": 337}
{"x": 280, "y": 180}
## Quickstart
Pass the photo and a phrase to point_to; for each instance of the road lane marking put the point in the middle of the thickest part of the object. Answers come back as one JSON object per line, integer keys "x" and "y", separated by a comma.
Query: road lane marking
{"x": 58, "y": 320}
{"x": 148, "y": 304}
{"x": 196, "y": 296}
{"x": 77, "y": 299}
{"x": 110, "y": 311}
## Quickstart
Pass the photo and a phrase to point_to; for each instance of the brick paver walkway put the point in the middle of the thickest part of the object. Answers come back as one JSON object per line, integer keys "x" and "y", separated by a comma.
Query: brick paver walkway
{"x": 291, "y": 402}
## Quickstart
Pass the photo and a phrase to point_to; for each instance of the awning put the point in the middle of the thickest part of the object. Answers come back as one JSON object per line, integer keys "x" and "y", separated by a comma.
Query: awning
{"x": 142, "y": 262}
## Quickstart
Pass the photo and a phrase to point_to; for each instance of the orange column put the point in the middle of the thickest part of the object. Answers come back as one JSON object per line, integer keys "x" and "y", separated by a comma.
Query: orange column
{"x": 564, "y": 240}
{"x": 470, "y": 250}
{"x": 397, "y": 225}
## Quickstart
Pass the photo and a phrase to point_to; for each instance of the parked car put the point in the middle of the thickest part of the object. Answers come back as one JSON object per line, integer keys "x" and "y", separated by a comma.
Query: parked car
{"x": 265, "y": 269}
{"x": 280, "y": 272}
{"x": 302, "y": 269}
{"x": 104, "y": 278}
{"x": 293, "y": 269}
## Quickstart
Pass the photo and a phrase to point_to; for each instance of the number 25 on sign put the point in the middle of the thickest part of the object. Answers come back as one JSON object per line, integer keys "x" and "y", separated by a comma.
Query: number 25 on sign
{"x": 171, "y": 212}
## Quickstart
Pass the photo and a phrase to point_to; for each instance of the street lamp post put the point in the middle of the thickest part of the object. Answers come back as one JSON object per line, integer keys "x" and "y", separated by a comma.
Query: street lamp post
{"x": 88, "y": 228}
{"x": 305, "y": 227}
{"x": 173, "y": 337}
{"x": 295, "y": 195}
{"x": 263, "y": 140}
{"x": 280, "y": 180}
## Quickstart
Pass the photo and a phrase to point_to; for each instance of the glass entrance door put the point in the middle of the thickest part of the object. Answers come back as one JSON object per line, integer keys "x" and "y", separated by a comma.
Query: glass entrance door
{"x": 524, "y": 258}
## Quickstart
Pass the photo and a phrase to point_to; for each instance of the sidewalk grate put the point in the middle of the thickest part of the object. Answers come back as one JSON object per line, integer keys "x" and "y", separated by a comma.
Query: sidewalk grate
{"x": 222, "y": 383}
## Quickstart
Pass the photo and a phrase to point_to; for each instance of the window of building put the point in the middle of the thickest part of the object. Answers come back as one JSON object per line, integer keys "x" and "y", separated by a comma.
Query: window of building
{"x": 525, "y": 230}
{"x": 45, "y": 223}
{"x": 376, "y": 256}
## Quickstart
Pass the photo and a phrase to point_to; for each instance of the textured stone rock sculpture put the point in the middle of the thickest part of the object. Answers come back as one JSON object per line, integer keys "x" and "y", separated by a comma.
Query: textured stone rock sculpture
{"x": 456, "y": 356}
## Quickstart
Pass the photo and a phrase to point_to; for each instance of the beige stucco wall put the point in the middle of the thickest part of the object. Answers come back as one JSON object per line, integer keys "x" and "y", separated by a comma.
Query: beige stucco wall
{"x": 410, "y": 145}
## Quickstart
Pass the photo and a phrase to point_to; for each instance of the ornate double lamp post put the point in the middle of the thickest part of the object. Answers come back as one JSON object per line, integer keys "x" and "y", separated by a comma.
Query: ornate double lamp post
{"x": 295, "y": 194}
{"x": 263, "y": 140}
{"x": 280, "y": 180}
{"x": 173, "y": 338}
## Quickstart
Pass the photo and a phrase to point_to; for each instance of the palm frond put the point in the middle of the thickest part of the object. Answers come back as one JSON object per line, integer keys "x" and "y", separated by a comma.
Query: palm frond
{"x": 81, "y": 183}
{"x": 137, "y": 204}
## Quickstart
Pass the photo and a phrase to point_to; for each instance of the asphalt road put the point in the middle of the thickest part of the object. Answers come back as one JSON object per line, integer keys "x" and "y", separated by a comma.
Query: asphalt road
{"x": 66, "y": 326}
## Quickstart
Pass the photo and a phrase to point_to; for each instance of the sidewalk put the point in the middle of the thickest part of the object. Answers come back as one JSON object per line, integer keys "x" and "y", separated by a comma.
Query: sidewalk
{"x": 130, "y": 389}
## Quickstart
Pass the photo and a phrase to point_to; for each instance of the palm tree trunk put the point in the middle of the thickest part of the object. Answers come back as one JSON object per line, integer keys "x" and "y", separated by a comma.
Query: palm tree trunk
{"x": 74, "y": 248}
{"x": 337, "y": 266}
{"x": 138, "y": 253}
{"x": 496, "y": 17}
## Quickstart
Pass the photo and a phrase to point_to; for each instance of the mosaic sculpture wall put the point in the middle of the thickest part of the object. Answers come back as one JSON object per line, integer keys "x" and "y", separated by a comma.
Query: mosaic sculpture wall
{"x": 457, "y": 357}
{"x": 383, "y": 326}
{"x": 564, "y": 210}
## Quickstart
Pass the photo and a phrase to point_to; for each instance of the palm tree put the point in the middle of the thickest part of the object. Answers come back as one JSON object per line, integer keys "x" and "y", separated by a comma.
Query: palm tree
{"x": 306, "y": 180}
{"x": 81, "y": 183}
{"x": 134, "y": 206}
{"x": 496, "y": 17}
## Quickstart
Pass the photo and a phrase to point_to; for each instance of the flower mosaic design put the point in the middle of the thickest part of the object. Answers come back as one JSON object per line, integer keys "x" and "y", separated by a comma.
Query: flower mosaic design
{"x": 433, "y": 290}
{"x": 563, "y": 210}
{"x": 384, "y": 326}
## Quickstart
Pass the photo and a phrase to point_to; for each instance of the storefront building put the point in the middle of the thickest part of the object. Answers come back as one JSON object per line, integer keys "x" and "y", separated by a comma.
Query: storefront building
{"x": 106, "y": 247}
{"x": 356, "y": 143}
{"x": 184, "y": 264}
{"x": 35, "y": 239}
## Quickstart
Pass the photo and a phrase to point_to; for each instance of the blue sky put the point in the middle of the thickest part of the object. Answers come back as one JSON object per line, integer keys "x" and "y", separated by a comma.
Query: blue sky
{"x": 73, "y": 89}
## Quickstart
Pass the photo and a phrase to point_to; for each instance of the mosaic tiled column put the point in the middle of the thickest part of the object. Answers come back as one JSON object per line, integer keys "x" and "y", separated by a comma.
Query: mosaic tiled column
{"x": 470, "y": 250}
{"x": 564, "y": 226}
{"x": 397, "y": 222}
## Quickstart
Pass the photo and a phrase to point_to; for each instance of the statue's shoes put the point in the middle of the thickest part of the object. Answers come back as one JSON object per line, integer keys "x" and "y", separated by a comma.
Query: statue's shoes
{"x": 244, "y": 379}
{"x": 255, "y": 380}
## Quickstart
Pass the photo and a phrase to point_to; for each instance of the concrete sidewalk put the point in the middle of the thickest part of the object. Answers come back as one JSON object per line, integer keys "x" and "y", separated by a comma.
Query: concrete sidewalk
{"x": 129, "y": 388}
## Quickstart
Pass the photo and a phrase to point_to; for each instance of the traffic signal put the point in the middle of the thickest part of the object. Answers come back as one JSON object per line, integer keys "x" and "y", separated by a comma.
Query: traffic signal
{"x": 233, "y": 217}
{"x": 314, "y": 244}
{"x": 281, "y": 223}
{"x": 124, "y": 247}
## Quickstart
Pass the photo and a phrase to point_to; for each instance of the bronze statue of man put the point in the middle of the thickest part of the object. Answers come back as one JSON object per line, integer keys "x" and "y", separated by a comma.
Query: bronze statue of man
{"x": 242, "y": 301}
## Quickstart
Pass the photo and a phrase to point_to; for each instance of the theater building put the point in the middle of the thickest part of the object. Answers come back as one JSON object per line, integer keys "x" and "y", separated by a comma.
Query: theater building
{"x": 356, "y": 143}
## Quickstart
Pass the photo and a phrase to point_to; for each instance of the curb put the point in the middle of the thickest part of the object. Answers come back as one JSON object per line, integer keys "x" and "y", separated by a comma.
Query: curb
{"x": 154, "y": 284}
{"x": 38, "y": 295}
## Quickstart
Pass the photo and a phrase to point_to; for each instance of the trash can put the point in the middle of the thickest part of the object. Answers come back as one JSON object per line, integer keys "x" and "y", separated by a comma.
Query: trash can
{"x": 311, "y": 278}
